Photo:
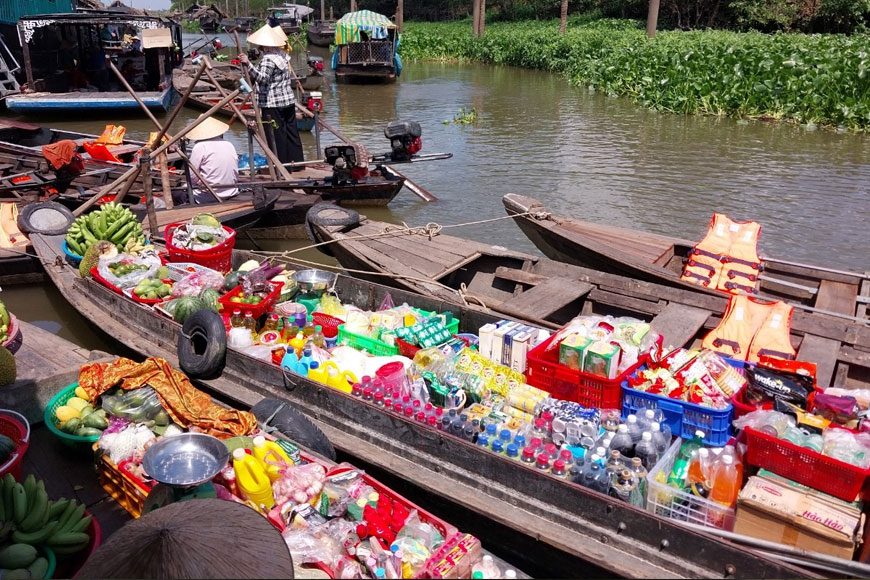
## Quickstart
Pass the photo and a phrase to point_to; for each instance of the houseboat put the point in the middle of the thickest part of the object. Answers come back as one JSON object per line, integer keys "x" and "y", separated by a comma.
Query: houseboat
{"x": 65, "y": 61}
{"x": 365, "y": 50}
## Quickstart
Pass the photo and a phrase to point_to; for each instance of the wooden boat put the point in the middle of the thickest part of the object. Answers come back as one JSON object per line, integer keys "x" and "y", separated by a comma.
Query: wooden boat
{"x": 577, "y": 523}
{"x": 550, "y": 293}
{"x": 85, "y": 82}
{"x": 365, "y": 48}
{"x": 660, "y": 259}
{"x": 321, "y": 32}
{"x": 290, "y": 17}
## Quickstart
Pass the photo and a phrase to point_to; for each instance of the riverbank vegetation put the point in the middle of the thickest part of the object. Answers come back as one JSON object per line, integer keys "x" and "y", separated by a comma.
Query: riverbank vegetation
{"x": 807, "y": 78}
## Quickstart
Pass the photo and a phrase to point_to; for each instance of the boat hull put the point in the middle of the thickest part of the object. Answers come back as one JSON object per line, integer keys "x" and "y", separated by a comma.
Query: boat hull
{"x": 320, "y": 37}
{"x": 114, "y": 101}
{"x": 359, "y": 74}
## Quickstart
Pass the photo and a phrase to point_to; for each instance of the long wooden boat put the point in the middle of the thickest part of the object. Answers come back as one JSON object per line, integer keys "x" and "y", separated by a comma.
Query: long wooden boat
{"x": 660, "y": 259}
{"x": 365, "y": 49}
{"x": 577, "y": 522}
{"x": 321, "y": 32}
{"x": 550, "y": 293}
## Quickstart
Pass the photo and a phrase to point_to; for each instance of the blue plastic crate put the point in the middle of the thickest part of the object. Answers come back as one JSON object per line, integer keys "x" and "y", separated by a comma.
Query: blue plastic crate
{"x": 682, "y": 418}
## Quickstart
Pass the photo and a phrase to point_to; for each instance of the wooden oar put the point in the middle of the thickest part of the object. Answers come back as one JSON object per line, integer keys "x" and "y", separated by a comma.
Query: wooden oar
{"x": 412, "y": 186}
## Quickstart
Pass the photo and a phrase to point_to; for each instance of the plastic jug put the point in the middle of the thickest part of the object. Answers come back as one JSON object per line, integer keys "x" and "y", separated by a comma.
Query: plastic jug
{"x": 338, "y": 379}
{"x": 298, "y": 343}
{"x": 273, "y": 459}
{"x": 291, "y": 363}
{"x": 252, "y": 480}
{"x": 317, "y": 373}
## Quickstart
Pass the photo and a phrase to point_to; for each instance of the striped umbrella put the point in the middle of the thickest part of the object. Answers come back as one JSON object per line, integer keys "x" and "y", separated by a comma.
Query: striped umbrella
{"x": 348, "y": 27}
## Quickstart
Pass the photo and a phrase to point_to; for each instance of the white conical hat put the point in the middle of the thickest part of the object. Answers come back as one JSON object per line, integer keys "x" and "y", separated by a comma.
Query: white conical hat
{"x": 209, "y": 128}
{"x": 266, "y": 36}
{"x": 280, "y": 32}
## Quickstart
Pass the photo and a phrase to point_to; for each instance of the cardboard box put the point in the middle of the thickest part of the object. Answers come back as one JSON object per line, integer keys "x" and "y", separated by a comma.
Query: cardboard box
{"x": 776, "y": 511}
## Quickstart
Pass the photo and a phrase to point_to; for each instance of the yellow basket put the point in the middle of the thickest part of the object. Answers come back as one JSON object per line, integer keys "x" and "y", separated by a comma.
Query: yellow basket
{"x": 124, "y": 487}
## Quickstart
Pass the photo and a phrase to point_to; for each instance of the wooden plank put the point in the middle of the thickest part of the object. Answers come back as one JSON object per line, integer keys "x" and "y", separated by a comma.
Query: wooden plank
{"x": 519, "y": 276}
{"x": 625, "y": 302}
{"x": 823, "y": 352}
{"x": 678, "y": 323}
{"x": 837, "y": 297}
{"x": 548, "y": 297}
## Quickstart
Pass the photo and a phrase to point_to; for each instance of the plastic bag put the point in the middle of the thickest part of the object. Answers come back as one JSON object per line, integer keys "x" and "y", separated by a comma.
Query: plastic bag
{"x": 193, "y": 284}
{"x": 299, "y": 484}
{"x": 417, "y": 540}
{"x": 138, "y": 405}
{"x": 852, "y": 448}
{"x": 132, "y": 269}
{"x": 305, "y": 547}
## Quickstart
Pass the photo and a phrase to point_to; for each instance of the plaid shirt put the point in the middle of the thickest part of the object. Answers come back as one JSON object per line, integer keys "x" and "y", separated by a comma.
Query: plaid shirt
{"x": 272, "y": 77}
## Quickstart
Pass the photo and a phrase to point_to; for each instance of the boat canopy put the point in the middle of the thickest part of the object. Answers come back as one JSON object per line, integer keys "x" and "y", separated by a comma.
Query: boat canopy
{"x": 286, "y": 9}
{"x": 349, "y": 26}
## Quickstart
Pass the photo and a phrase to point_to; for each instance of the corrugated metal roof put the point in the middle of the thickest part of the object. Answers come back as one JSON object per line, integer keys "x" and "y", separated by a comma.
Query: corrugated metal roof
{"x": 11, "y": 11}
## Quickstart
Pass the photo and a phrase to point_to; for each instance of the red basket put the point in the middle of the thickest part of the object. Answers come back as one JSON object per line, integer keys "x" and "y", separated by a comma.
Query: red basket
{"x": 14, "y": 335}
{"x": 15, "y": 426}
{"x": 805, "y": 466}
{"x": 329, "y": 324}
{"x": 152, "y": 301}
{"x": 256, "y": 310}
{"x": 219, "y": 258}
{"x": 96, "y": 274}
{"x": 544, "y": 371}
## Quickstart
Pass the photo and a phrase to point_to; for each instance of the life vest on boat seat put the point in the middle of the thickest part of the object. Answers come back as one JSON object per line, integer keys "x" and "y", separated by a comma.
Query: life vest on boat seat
{"x": 751, "y": 329}
{"x": 727, "y": 258}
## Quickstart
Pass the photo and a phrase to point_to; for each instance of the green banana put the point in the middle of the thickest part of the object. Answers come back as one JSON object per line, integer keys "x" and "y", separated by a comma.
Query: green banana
{"x": 73, "y": 519}
{"x": 8, "y": 484}
{"x": 70, "y": 508}
{"x": 119, "y": 223}
{"x": 38, "y": 514}
{"x": 88, "y": 236}
{"x": 30, "y": 488}
{"x": 74, "y": 246}
{"x": 37, "y": 537}
{"x": 68, "y": 539}
{"x": 82, "y": 524}
{"x": 39, "y": 568}
{"x": 19, "y": 503}
{"x": 122, "y": 234}
{"x": 57, "y": 508}
{"x": 68, "y": 550}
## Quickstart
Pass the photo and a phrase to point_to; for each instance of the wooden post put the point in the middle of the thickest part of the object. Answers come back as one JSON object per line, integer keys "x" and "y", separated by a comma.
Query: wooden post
{"x": 145, "y": 163}
{"x": 323, "y": 9}
{"x": 481, "y": 28}
{"x": 652, "y": 18}
{"x": 161, "y": 64}
{"x": 563, "y": 17}
{"x": 475, "y": 18}
{"x": 400, "y": 16}
{"x": 353, "y": 7}
{"x": 28, "y": 69}
{"x": 164, "y": 180}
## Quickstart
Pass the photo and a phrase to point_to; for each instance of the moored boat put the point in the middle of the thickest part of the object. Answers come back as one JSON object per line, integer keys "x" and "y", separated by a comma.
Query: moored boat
{"x": 365, "y": 48}
{"x": 321, "y": 32}
{"x": 290, "y": 17}
{"x": 660, "y": 259}
{"x": 576, "y": 521}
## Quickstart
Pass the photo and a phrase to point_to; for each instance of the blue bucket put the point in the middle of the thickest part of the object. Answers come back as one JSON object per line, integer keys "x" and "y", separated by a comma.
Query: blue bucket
{"x": 73, "y": 259}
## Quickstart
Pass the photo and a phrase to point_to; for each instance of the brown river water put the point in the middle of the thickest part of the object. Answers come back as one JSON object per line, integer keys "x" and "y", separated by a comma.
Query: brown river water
{"x": 584, "y": 154}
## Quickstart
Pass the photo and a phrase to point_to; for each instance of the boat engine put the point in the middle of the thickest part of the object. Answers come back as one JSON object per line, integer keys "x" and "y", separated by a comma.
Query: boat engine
{"x": 315, "y": 62}
{"x": 313, "y": 100}
{"x": 404, "y": 137}
{"x": 349, "y": 162}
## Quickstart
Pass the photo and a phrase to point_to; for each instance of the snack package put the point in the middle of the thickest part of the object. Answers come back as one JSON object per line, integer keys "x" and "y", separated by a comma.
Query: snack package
{"x": 764, "y": 386}
{"x": 727, "y": 378}
{"x": 572, "y": 351}
{"x": 602, "y": 359}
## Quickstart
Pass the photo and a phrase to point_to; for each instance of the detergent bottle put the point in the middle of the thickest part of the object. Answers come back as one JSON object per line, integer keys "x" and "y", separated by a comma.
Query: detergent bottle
{"x": 252, "y": 480}
{"x": 338, "y": 379}
{"x": 298, "y": 343}
{"x": 273, "y": 459}
{"x": 291, "y": 363}
{"x": 306, "y": 360}
{"x": 317, "y": 373}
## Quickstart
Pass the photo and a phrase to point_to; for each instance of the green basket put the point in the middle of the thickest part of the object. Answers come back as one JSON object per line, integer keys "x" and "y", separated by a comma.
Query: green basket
{"x": 380, "y": 348}
{"x": 59, "y": 400}
{"x": 52, "y": 561}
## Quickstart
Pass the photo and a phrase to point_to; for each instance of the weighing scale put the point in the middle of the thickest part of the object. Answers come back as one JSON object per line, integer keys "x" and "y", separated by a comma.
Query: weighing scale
{"x": 183, "y": 466}
{"x": 311, "y": 286}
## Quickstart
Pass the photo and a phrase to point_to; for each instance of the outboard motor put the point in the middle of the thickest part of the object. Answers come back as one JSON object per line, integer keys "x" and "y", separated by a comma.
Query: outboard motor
{"x": 313, "y": 100}
{"x": 404, "y": 139}
{"x": 315, "y": 62}
{"x": 349, "y": 162}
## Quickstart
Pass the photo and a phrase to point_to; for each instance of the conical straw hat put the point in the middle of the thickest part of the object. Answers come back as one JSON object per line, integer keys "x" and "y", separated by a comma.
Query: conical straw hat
{"x": 209, "y": 128}
{"x": 196, "y": 538}
{"x": 280, "y": 32}
{"x": 266, "y": 36}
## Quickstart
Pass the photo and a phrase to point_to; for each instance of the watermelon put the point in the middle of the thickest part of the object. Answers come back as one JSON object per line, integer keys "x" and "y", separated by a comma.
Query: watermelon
{"x": 209, "y": 297}
{"x": 185, "y": 306}
{"x": 7, "y": 448}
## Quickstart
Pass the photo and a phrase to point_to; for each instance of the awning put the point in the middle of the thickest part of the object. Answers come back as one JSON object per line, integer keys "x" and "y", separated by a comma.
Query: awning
{"x": 348, "y": 27}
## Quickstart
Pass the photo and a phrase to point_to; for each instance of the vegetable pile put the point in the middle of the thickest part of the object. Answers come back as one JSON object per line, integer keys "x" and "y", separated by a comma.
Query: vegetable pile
{"x": 5, "y": 321}
{"x": 78, "y": 417}
{"x": 112, "y": 222}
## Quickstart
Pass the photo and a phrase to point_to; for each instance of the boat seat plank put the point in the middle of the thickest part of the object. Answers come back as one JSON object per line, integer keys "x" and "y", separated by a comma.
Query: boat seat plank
{"x": 624, "y": 302}
{"x": 665, "y": 257}
{"x": 823, "y": 352}
{"x": 421, "y": 265}
{"x": 549, "y": 296}
{"x": 837, "y": 297}
{"x": 679, "y": 324}
{"x": 520, "y": 276}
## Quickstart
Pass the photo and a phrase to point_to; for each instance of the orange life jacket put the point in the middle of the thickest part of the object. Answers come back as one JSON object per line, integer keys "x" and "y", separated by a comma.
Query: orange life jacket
{"x": 751, "y": 329}
{"x": 112, "y": 135}
{"x": 727, "y": 258}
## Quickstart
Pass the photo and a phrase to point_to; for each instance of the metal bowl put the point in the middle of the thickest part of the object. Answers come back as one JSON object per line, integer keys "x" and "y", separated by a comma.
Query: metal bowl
{"x": 314, "y": 281}
{"x": 186, "y": 460}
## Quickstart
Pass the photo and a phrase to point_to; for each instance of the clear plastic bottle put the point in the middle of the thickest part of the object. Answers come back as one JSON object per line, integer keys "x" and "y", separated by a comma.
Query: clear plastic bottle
{"x": 602, "y": 482}
{"x": 251, "y": 324}
{"x": 646, "y": 419}
{"x": 725, "y": 481}
{"x": 699, "y": 466}
{"x": 542, "y": 462}
{"x": 271, "y": 322}
{"x": 633, "y": 428}
{"x": 512, "y": 451}
{"x": 624, "y": 485}
{"x": 575, "y": 474}
{"x": 622, "y": 441}
{"x": 528, "y": 456}
{"x": 483, "y": 441}
{"x": 559, "y": 468}
{"x": 680, "y": 472}
{"x": 317, "y": 337}
{"x": 615, "y": 462}
{"x": 237, "y": 320}
{"x": 646, "y": 450}
{"x": 539, "y": 429}
{"x": 308, "y": 329}
{"x": 590, "y": 475}
{"x": 567, "y": 457}
{"x": 640, "y": 472}
{"x": 497, "y": 446}
{"x": 659, "y": 440}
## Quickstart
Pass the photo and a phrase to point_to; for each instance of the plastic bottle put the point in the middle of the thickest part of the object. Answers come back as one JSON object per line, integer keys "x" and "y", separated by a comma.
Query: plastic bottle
{"x": 339, "y": 380}
{"x": 520, "y": 441}
{"x": 528, "y": 455}
{"x": 252, "y": 480}
{"x": 483, "y": 441}
{"x": 640, "y": 473}
{"x": 317, "y": 337}
{"x": 512, "y": 451}
{"x": 567, "y": 457}
{"x": 539, "y": 429}
{"x": 615, "y": 462}
{"x": 575, "y": 474}
{"x": 551, "y": 450}
{"x": 497, "y": 446}
{"x": 291, "y": 362}
{"x": 559, "y": 468}
{"x": 237, "y": 320}
{"x": 602, "y": 482}
{"x": 681, "y": 463}
{"x": 536, "y": 443}
{"x": 316, "y": 373}
{"x": 251, "y": 324}
{"x": 724, "y": 481}
{"x": 510, "y": 574}
{"x": 633, "y": 428}
{"x": 699, "y": 467}
{"x": 273, "y": 458}
{"x": 590, "y": 475}
{"x": 489, "y": 568}
{"x": 306, "y": 359}
{"x": 659, "y": 440}
{"x": 624, "y": 485}
{"x": 543, "y": 462}
{"x": 298, "y": 343}
{"x": 646, "y": 450}
{"x": 622, "y": 441}
{"x": 308, "y": 329}
{"x": 271, "y": 322}
{"x": 646, "y": 419}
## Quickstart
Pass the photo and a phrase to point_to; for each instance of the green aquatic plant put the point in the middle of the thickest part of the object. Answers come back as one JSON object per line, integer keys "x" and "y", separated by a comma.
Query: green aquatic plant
{"x": 464, "y": 117}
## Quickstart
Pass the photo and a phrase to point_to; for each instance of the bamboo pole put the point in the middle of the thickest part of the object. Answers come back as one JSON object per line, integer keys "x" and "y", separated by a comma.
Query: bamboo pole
{"x": 164, "y": 181}
{"x": 129, "y": 185}
{"x": 145, "y": 167}
{"x": 106, "y": 189}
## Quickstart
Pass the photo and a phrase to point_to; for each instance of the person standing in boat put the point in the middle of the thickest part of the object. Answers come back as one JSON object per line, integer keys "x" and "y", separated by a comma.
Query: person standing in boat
{"x": 275, "y": 95}
{"x": 215, "y": 159}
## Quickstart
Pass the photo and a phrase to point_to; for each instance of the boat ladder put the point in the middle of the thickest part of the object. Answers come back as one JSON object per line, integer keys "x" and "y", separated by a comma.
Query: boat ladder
{"x": 8, "y": 84}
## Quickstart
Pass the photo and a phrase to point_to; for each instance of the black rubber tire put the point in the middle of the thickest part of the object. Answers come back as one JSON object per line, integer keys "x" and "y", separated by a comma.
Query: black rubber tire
{"x": 351, "y": 218}
{"x": 27, "y": 211}
{"x": 202, "y": 345}
{"x": 295, "y": 426}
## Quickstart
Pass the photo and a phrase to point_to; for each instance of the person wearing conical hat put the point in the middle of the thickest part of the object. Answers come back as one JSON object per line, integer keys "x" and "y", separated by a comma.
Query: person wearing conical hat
{"x": 215, "y": 159}
{"x": 272, "y": 79}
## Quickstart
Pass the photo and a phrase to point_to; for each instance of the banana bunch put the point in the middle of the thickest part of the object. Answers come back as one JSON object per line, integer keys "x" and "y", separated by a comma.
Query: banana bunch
{"x": 30, "y": 519}
{"x": 4, "y": 322}
{"x": 111, "y": 222}
{"x": 134, "y": 245}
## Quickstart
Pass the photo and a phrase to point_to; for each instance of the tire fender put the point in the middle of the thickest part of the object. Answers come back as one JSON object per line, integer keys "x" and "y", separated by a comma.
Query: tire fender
{"x": 55, "y": 225}
{"x": 202, "y": 345}
{"x": 349, "y": 220}
{"x": 294, "y": 425}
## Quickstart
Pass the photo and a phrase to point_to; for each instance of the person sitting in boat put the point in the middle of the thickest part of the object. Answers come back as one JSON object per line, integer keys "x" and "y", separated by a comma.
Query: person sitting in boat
{"x": 275, "y": 95}
{"x": 215, "y": 159}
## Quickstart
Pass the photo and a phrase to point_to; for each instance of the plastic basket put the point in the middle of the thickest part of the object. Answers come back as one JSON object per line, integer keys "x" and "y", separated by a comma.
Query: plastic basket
{"x": 96, "y": 274}
{"x": 220, "y": 257}
{"x": 127, "y": 489}
{"x": 370, "y": 345}
{"x": 256, "y": 310}
{"x": 15, "y": 426}
{"x": 15, "y": 335}
{"x": 683, "y": 418}
{"x": 329, "y": 324}
{"x": 71, "y": 257}
{"x": 178, "y": 270}
{"x": 409, "y": 350}
{"x": 544, "y": 371}
{"x": 805, "y": 466}
{"x": 667, "y": 501}
{"x": 60, "y": 399}
{"x": 149, "y": 301}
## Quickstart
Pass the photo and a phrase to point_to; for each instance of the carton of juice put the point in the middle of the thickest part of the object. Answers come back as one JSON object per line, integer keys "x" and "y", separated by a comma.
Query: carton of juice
{"x": 602, "y": 359}
{"x": 572, "y": 351}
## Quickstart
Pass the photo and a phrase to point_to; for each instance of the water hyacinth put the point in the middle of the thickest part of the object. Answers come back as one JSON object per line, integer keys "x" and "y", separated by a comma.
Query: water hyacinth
{"x": 819, "y": 79}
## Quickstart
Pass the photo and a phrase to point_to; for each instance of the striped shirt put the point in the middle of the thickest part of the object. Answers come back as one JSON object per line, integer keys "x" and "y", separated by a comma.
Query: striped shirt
{"x": 272, "y": 79}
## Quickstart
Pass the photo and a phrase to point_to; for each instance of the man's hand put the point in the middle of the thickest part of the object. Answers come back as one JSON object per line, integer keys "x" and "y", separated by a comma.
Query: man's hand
{"x": 243, "y": 58}
{"x": 252, "y": 126}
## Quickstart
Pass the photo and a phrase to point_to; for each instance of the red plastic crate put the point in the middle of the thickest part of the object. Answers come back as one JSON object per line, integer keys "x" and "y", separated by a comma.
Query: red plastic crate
{"x": 151, "y": 302}
{"x": 96, "y": 274}
{"x": 256, "y": 310}
{"x": 329, "y": 324}
{"x": 219, "y": 258}
{"x": 805, "y": 466}
{"x": 544, "y": 371}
